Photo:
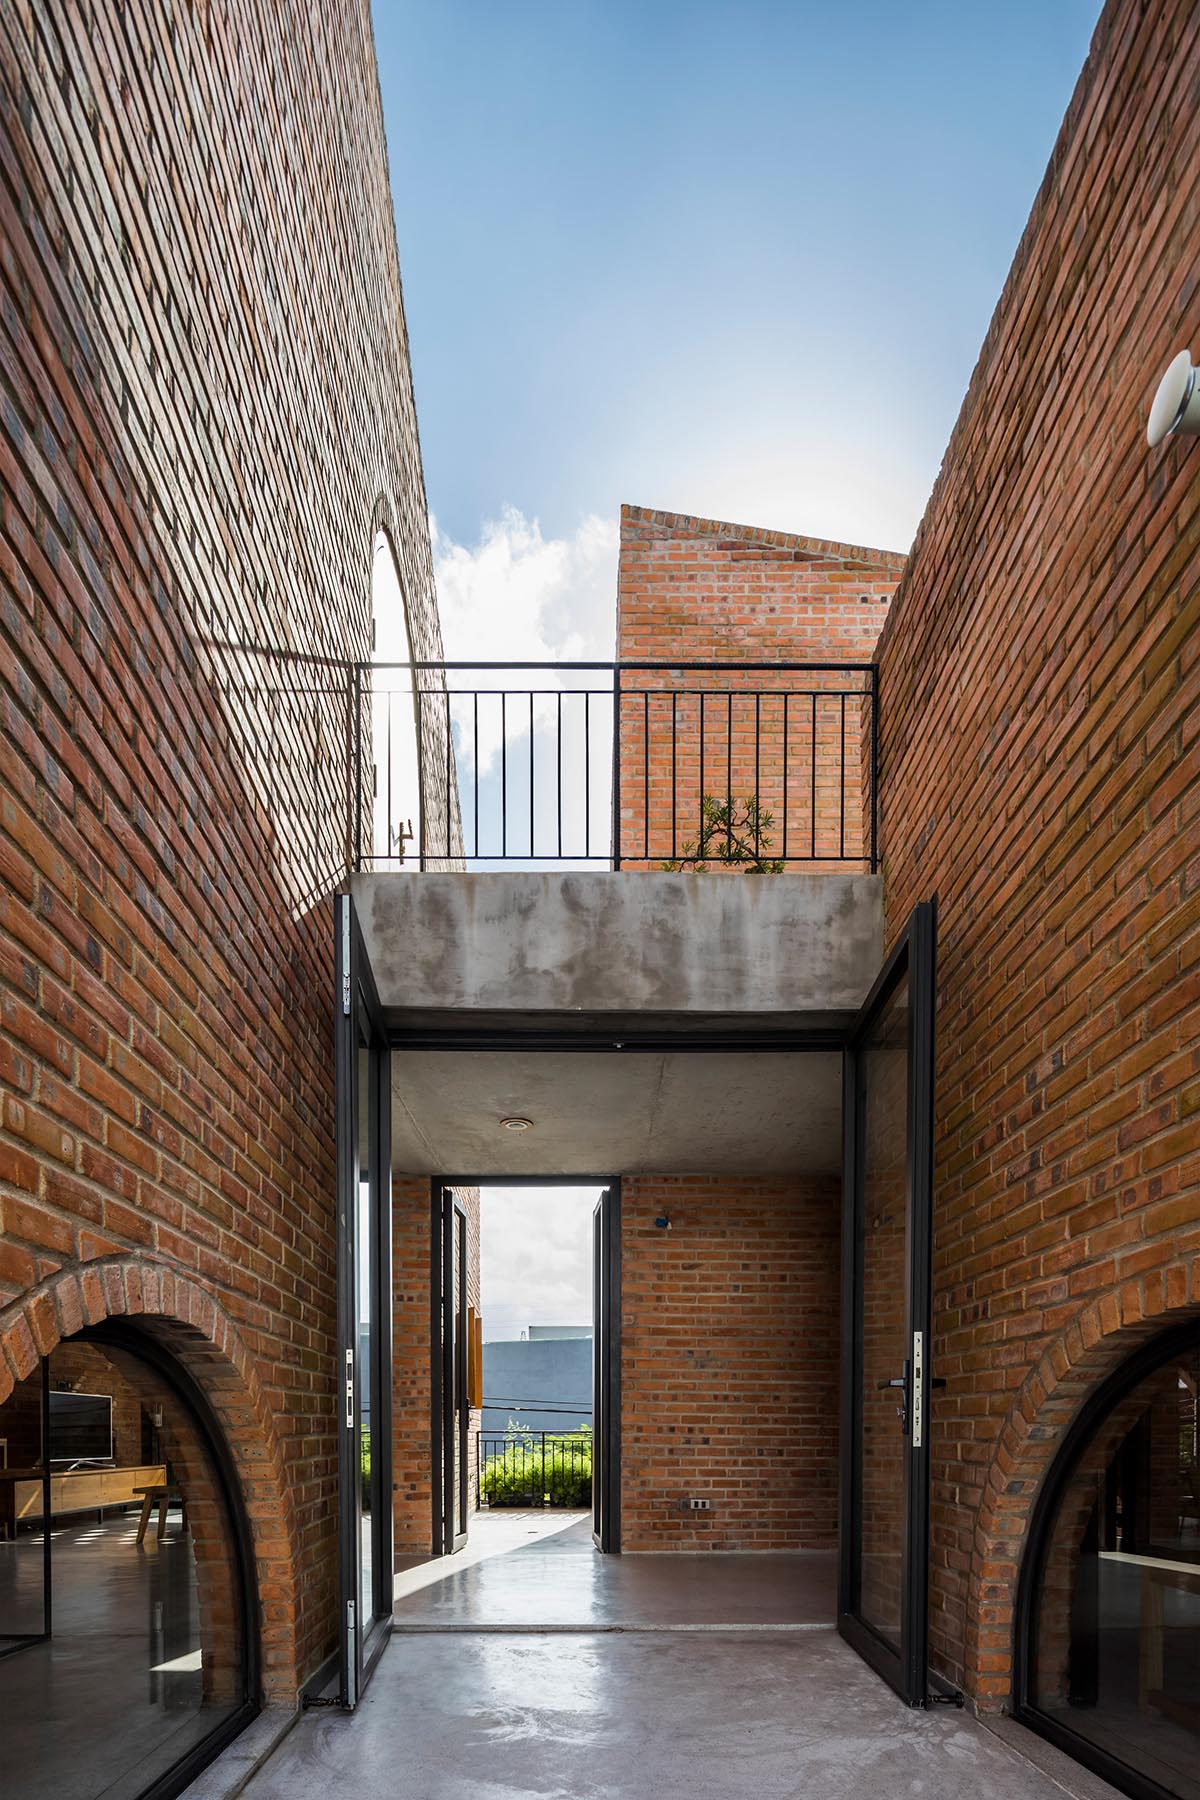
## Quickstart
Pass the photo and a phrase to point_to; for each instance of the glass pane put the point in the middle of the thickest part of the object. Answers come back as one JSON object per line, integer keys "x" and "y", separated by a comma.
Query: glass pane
{"x": 1117, "y": 1641}
{"x": 146, "y": 1656}
{"x": 22, "y": 1532}
{"x": 365, "y": 1274}
{"x": 884, "y": 1074}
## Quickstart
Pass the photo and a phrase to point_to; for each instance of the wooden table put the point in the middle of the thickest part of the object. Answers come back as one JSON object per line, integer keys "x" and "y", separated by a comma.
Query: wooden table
{"x": 163, "y": 1495}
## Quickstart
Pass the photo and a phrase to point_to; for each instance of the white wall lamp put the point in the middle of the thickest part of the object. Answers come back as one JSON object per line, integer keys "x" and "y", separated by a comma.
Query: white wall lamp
{"x": 1176, "y": 406}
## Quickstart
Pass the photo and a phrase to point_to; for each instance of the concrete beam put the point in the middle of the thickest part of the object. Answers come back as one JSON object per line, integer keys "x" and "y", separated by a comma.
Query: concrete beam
{"x": 639, "y": 943}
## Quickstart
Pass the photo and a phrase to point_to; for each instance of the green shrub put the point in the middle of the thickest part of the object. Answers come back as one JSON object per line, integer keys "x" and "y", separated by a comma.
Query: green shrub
{"x": 519, "y": 1474}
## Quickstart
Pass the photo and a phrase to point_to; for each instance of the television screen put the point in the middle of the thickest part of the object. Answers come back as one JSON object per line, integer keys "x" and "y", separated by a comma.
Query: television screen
{"x": 80, "y": 1428}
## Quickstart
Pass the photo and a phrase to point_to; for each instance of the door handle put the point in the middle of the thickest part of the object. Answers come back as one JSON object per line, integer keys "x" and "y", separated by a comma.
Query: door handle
{"x": 901, "y": 1382}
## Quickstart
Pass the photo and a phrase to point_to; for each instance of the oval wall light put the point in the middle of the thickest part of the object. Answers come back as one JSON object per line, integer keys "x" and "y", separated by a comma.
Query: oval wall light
{"x": 1176, "y": 405}
{"x": 515, "y": 1124}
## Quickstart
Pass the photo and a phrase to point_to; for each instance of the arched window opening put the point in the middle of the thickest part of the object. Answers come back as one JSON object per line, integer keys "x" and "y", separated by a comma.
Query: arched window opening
{"x": 1109, "y": 1615}
{"x": 128, "y": 1636}
{"x": 395, "y": 739}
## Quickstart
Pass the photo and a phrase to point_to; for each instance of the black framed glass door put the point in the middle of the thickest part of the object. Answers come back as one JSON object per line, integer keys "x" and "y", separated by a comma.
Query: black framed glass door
{"x": 449, "y": 1273}
{"x": 886, "y": 1282}
{"x": 364, "y": 1309}
{"x": 606, "y": 1370}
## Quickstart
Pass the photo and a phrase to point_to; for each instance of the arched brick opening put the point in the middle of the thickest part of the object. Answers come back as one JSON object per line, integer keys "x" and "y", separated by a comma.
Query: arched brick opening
{"x": 1090, "y": 1349}
{"x": 186, "y": 1319}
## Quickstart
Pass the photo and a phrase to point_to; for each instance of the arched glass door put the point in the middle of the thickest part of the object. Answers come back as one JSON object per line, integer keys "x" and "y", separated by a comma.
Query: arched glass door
{"x": 1109, "y": 1617}
{"x": 128, "y": 1627}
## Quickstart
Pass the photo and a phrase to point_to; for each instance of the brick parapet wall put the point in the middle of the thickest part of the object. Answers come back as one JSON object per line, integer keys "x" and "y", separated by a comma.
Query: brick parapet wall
{"x": 729, "y": 1362}
{"x": 1039, "y": 771}
{"x": 207, "y": 415}
{"x": 693, "y": 589}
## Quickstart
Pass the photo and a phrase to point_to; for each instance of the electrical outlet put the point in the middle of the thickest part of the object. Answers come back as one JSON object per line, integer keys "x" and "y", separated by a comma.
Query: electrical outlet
{"x": 695, "y": 1505}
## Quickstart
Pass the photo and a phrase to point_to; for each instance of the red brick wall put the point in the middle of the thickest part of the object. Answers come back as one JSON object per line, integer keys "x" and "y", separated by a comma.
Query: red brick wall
{"x": 702, "y": 590}
{"x": 1040, "y": 679}
{"x": 205, "y": 414}
{"x": 729, "y": 1362}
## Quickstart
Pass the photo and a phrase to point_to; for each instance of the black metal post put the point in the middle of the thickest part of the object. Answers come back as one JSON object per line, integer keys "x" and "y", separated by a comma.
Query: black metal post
{"x": 616, "y": 760}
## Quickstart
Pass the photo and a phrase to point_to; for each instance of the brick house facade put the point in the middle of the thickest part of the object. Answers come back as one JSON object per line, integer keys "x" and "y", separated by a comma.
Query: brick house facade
{"x": 196, "y": 467}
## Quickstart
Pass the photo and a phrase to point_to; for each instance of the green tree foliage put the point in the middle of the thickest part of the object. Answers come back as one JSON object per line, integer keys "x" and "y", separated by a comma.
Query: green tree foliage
{"x": 733, "y": 834}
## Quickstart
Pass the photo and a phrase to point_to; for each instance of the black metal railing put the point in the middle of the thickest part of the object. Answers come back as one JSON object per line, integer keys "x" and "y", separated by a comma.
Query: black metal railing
{"x": 636, "y": 763}
{"x": 534, "y": 1468}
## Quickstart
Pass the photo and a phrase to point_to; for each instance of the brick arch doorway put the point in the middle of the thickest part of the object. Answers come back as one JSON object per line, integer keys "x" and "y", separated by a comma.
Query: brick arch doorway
{"x": 176, "y": 1318}
{"x": 1107, "y": 1620}
{"x": 145, "y": 1660}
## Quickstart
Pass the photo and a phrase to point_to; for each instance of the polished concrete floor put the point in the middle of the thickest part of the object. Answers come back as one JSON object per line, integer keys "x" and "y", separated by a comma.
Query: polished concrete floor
{"x": 538, "y": 1570}
{"x": 530, "y": 1668}
{"x": 642, "y": 1716}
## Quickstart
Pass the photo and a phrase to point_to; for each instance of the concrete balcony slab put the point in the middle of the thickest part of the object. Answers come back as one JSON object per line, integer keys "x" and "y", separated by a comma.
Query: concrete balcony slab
{"x": 606, "y": 945}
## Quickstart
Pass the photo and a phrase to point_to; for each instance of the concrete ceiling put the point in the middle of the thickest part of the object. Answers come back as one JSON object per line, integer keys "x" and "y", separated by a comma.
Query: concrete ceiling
{"x": 602, "y": 1112}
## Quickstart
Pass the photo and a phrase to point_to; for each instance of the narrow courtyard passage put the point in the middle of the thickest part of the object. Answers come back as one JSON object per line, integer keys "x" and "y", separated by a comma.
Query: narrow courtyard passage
{"x": 531, "y": 1668}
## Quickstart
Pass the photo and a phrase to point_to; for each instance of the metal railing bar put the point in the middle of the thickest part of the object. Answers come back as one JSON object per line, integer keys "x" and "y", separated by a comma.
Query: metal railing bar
{"x": 700, "y": 801}
{"x": 729, "y": 773}
{"x": 687, "y": 665}
{"x": 646, "y": 773}
{"x": 812, "y": 819}
{"x": 842, "y": 786}
{"x": 475, "y": 766}
{"x": 674, "y": 771}
{"x": 449, "y": 770}
{"x": 757, "y": 774}
{"x": 786, "y": 698}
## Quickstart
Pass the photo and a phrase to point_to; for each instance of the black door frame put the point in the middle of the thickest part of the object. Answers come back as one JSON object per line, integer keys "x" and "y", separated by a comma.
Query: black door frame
{"x": 449, "y": 1440}
{"x": 359, "y": 1018}
{"x": 606, "y": 1370}
{"x": 913, "y": 957}
{"x": 606, "y": 1341}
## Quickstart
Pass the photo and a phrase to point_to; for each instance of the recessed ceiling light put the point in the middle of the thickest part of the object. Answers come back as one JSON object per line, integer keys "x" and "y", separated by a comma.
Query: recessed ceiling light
{"x": 517, "y": 1124}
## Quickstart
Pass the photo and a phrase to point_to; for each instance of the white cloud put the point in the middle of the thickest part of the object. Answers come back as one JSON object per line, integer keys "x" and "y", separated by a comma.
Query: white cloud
{"x": 516, "y": 593}
{"x": 535, "y": 1258}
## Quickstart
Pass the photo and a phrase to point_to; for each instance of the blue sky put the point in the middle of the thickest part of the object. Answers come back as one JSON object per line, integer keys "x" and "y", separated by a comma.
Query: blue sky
{"x": 735, "y": 259}
{"x": 732, "y": 259}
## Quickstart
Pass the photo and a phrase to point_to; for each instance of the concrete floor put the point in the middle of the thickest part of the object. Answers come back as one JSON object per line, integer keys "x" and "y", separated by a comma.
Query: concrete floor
{"x": 531, "y": 1570}
{"x": 530, "y": 1668}
{"x": 773, "y": 1716}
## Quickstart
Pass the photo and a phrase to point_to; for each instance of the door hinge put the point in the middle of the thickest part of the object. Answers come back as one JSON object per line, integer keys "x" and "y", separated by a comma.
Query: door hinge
{"x": 346, "y": 955}
{"x": 952, "y": 1699}
{"x": 350, "y": 1389}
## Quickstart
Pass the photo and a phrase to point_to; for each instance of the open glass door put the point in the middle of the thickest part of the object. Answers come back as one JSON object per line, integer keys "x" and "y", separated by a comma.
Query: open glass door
{"x": 606, "y": 1370}
{"x": 364, "y": 1210}
{"x": 886, "y": 1379}
{"x": 451, "y": 1356}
